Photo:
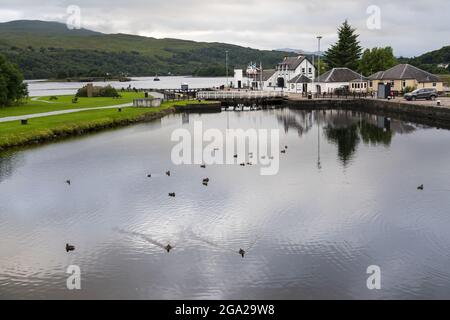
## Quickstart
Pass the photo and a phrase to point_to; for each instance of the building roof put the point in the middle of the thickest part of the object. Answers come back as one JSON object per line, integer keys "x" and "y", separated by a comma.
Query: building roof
{"x": 301, "y": 78}
{"x": 340, "y": 75}
{"x": 405, "y": 72}
{"x": 292, "y": 62}
{"x": 267, "y": 74}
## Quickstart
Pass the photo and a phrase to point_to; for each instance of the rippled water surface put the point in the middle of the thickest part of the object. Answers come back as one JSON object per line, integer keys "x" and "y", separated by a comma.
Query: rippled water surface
{"x": 345, "y": 198}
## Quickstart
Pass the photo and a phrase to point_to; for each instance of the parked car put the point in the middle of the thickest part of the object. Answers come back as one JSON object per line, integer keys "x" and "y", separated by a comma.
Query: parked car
{"x": 342, "y": 90}
{"x": 427, "y": 93}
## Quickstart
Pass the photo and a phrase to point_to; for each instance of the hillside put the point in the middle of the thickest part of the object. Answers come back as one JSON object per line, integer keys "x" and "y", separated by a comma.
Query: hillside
{"x": 429, "y": 61}
{"x": 50, "y": 50}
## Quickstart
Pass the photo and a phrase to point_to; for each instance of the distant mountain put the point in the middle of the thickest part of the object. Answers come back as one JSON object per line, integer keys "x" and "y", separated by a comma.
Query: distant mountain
{"x": 300, "y": 51}
{"x": 50, "y": 50}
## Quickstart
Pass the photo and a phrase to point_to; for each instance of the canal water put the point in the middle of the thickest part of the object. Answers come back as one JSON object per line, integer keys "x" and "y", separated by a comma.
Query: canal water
{"x": 37, "y": 88}
{"x": 345, "y": 198}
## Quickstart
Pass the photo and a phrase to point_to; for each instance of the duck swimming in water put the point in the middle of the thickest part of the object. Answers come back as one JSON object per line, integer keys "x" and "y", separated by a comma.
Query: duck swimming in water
{"x": 168, "y": 173}
{"x": 172, "y": 194}
{"x": 168, "y": 248}
{"x": 69, "y": 247}
{"x": 420, "y": 187}
{"x": 206, "y": 180}
{"x": 283, "y": 151}
{"x": 149, "y": 176}
{"x": 68, "y": 182}
{"x": 242, "y": 252}
{"x": 203, "y": 166}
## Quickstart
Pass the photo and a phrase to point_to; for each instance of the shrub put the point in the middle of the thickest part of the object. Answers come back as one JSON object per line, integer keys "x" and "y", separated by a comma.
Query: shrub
{"x": 98, "y": 91}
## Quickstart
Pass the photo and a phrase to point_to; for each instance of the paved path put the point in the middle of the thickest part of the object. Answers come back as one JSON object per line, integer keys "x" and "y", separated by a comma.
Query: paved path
{"x": 58, "y": 112}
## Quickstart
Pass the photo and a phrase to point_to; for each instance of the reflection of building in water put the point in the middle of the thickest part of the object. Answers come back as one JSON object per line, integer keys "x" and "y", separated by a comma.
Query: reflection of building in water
{"x": 185, "y": 118}
{"x": 300, "y": 120}
{"x": 345, "y": 128}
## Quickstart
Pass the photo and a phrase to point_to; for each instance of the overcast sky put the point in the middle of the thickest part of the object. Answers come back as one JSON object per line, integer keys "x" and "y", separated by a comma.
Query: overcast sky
{"x": 411, "y": 27}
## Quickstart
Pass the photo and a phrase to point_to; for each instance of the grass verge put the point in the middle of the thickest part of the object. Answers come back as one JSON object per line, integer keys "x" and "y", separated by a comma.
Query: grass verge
{"x": 44, "y": 104}
{"x": 44, "y": 129}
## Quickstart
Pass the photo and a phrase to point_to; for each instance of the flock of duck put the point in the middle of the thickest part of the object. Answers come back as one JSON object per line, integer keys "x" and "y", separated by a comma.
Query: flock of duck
{"x": 205, "y": 182}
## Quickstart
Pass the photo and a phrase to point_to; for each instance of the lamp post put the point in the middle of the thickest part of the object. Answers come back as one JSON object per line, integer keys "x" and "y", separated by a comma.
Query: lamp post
{"x": 318, "y": 62}
{"x": 226, "y": 66}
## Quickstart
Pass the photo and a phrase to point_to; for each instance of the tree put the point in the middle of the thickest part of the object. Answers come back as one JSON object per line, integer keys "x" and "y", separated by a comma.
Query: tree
{"x": 376, "y": 59}
{"x": 12, "y": 87}
{"x": 346, "y": 51}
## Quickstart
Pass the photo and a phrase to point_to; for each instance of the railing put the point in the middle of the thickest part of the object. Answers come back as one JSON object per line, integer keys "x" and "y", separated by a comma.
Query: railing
{"x": 226, "y": 95}
{"x": 338, "y": 95}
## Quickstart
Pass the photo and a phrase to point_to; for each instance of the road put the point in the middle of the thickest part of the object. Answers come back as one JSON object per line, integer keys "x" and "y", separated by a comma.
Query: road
{"x": 55, "y": 113}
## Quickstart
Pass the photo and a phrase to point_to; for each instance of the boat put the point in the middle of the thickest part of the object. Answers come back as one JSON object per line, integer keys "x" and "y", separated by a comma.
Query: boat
{"x": 156, "y": 78}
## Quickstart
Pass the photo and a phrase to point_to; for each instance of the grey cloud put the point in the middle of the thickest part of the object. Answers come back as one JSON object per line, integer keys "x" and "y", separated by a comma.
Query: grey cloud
{"x": 411, "y": 27}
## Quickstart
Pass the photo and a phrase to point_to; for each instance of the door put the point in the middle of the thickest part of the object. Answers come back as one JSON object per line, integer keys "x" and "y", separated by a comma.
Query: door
{"x": 280, "y": 82}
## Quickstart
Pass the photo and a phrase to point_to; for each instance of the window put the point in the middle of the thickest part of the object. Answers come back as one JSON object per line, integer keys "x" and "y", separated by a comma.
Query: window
{"x": 434, "y": 84}
{"x": 404, "y": 84}
{"x": 371, "y": 84}
{"x": 365, "y": 84}
{"x": 303, "y": 70}
{"x": 353, "y": 85}
{"x": 392, "y": 83}
{"x": 292, "y": 86}
{"x": 310, "y": 70}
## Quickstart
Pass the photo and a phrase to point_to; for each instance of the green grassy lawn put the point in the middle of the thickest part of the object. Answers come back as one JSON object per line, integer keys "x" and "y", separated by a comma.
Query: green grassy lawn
{"x": 65, "y": 103}
{"x": 12, "y": 133}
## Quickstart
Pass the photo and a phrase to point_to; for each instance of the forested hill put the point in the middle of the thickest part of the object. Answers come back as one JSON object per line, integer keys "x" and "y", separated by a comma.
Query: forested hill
{"x": 433, "y": 61}
{"x": 50, "y": 50}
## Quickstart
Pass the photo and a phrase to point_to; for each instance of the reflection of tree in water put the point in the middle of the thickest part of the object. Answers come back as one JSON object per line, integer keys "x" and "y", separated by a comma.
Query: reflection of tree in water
{"x": 346, "y": 128}
{"x": 346, "y": 138}
{"x": 8, "y": 163}
{"x": 375, "y": 135}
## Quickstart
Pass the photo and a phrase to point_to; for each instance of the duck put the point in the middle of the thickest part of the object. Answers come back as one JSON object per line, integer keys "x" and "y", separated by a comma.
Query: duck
{"x": 283, "y": 151}
{"x": 203, "y": 166}
{"x": 69, "y": 247}
{"x": 249, "y": 163}
{"x": 285, "y": 147}
{"x": 242, "y": 164}
{"x": 168, "y": 248}
{"x": 149, "y": 176}
{"x": 420, "y": 187}
{"x": 168, "y": 173}
{"x": 235, "y": 155}
{"x": 68, "y": 182}
{"x": 172, "y": 194}
{"x": 205, "y": 183}
{"x": 206, "y": 180}
{"x": 242, "y": 252}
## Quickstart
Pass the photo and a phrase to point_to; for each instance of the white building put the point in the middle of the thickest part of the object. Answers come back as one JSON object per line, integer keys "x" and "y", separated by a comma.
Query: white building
{"x": 275, "y": 79}
{"x": 288, "y": 69}
{"x": 340, "y": 78}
